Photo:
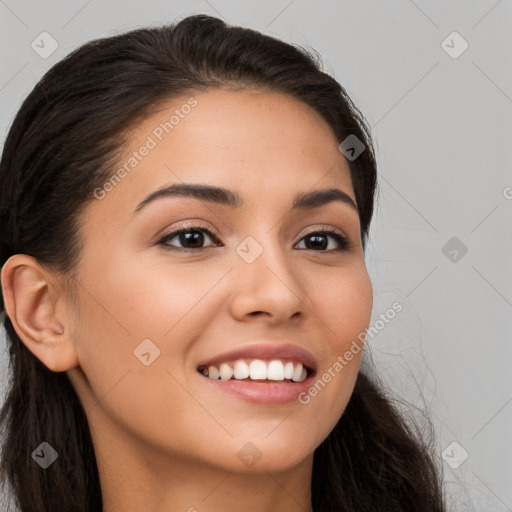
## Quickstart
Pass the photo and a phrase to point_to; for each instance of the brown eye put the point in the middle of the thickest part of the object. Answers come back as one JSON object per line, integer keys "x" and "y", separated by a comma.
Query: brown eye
{"x": 319, "y": 241}
{"x": 191, "y": 238}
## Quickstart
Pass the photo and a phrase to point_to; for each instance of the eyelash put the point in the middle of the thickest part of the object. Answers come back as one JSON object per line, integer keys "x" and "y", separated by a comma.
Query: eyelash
{"x": 342, "y": 240}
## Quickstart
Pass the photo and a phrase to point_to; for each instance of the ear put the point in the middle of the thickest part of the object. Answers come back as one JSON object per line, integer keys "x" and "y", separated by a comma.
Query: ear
{"x": 35, "y": 304}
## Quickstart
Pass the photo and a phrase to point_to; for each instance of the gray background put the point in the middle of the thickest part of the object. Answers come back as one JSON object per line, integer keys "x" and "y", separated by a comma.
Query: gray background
{"x": 443, "y": 130}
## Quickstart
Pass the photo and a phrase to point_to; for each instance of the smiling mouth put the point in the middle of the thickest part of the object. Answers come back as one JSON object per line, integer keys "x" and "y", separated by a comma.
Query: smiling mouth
{"x": 258, "y": 370}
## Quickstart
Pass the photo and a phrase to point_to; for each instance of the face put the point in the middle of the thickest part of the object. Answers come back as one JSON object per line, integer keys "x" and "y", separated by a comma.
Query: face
{"x": 252, "y": 285}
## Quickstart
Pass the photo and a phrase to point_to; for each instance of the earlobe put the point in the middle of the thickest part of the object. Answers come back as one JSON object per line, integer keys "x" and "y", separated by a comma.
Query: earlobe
{"x": 34, "y": 304}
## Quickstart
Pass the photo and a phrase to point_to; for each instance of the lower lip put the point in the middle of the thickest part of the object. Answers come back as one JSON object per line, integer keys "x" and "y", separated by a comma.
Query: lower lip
{"x": 262, "y": 392}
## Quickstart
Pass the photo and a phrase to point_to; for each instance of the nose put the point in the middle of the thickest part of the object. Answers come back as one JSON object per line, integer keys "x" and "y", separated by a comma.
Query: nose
{"x": 268, "y": 287}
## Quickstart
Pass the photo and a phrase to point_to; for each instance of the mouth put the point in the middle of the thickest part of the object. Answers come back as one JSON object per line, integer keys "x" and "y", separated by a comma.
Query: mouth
{"x": 269, "y": 374}
{"x": 258, "y": 370}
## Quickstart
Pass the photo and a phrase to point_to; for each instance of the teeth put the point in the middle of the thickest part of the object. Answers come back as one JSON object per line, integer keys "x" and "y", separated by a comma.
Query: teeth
{"x": 258, "y": 370}
{"x": 288, "y": 370}
{"x": 275, "y": 370}
{"x": 241, "y": 370}
{"x": 225, "y": 371}
{"x": 303, "y": 375}
{"x": 297, "y": 373}
{"x": 213, "y": 372}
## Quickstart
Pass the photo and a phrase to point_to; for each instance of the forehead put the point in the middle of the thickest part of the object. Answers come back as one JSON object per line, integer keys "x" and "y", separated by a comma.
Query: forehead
{"x": 246, "y": 120}
{"x": 264, "y": 144}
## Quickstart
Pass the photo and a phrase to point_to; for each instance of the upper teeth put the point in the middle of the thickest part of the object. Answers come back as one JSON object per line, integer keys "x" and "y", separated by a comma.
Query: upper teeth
{"x": 258, "y": 369}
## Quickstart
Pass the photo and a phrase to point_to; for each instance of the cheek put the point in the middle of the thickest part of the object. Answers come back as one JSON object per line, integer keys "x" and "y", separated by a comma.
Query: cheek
{"x": 345, "y": 305}
{"x": 122, "y": 307}
{"x": 127, "y": 319}
{"x": 141, "y": 299}
{"x": 162, "y": 294}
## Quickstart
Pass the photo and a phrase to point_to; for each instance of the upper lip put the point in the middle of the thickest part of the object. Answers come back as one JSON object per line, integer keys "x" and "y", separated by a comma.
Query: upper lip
{"x": 283, "y": 351}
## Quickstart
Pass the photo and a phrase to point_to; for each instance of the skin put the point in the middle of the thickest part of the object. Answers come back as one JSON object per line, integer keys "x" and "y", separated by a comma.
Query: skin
{"x": 163, "y": 439}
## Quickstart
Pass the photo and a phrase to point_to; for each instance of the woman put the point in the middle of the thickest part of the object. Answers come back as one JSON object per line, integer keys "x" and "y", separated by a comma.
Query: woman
{"x": 184, "y": 213}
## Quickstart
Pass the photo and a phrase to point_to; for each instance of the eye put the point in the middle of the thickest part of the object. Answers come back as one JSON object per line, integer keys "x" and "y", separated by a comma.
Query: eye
{"x": 319, "y": 240}
{"x": 191, "y": 237}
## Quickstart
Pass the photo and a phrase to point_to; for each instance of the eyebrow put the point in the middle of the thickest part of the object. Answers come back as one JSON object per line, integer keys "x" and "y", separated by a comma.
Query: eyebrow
{"x": 225, "y": 197}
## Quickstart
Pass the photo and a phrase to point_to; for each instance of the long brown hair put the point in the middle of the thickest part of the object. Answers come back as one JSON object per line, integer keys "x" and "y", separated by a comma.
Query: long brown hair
{"x": 62, "y": 145}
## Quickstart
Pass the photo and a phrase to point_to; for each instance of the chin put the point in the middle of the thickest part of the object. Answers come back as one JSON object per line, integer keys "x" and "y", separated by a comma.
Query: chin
{"x": 271, "y": 454}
